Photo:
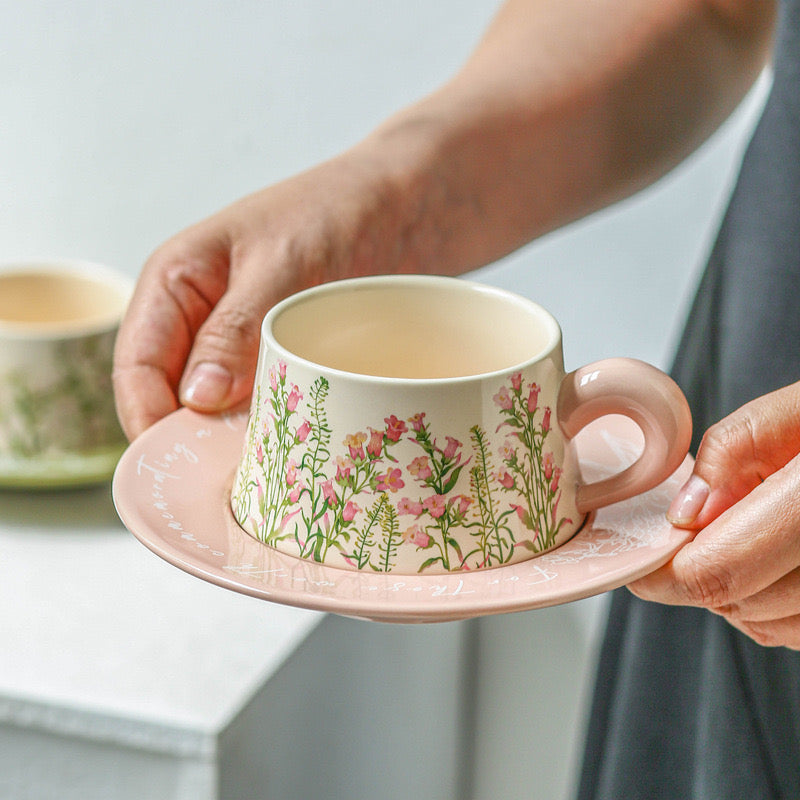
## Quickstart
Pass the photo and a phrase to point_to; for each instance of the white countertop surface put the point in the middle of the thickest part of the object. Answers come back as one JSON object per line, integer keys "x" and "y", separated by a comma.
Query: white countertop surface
{"x": 97, "y": 630}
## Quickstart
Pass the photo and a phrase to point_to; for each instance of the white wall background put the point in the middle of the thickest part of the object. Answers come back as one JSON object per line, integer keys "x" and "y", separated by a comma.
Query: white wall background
{"x": 123, "y": 122}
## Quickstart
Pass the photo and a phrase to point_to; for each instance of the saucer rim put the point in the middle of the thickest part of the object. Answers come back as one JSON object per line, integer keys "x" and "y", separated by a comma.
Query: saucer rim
{"x": 62, "y": 470}
{"x": 422, "y": 609}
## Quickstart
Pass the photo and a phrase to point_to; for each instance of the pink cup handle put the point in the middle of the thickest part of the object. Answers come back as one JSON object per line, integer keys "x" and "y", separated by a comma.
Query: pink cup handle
{"x": 646, "y": 395}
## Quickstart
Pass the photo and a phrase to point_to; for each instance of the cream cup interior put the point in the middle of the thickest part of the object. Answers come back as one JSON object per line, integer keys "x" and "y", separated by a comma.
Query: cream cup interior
{"x": 50, "y": 299}
{"x": 412, "y": 328}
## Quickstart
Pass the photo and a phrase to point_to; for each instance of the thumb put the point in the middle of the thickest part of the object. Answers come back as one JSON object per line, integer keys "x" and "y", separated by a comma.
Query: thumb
{"x": 737, "y": 454}
{"x": 221, "y": 366}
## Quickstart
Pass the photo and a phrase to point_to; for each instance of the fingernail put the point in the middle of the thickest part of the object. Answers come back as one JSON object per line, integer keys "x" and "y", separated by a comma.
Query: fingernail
{"x": 688, "y": 502}
{"x": 207, "y": 387}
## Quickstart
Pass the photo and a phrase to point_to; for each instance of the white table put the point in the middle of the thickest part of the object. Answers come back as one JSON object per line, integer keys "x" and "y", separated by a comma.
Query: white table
{"x": 122, "y": 677}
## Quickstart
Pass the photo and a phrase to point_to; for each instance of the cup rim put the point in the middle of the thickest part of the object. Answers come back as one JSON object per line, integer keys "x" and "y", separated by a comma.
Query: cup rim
{"x": 79, "y": 268}
{"x": 268, "y": 339}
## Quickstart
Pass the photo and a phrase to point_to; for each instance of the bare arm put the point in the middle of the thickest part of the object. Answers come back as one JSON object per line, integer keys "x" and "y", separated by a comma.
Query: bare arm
{"x": 568, "y": 105}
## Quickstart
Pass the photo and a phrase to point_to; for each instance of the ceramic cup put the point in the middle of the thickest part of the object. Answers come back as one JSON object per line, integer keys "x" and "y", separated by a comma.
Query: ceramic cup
{"x": 58, "y": 322}
{"x": 415, "y": 424}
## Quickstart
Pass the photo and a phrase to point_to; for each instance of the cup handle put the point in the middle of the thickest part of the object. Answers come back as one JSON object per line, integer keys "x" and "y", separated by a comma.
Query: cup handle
{"x": 651, "y": 399}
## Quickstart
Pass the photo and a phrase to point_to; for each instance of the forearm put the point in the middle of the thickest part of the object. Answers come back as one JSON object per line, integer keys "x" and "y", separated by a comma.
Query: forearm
{"x": 565, "y": 106}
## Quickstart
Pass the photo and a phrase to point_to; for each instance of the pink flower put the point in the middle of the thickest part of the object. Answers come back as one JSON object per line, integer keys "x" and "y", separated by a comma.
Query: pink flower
{"x": 533, "y": 398}
{"x": 505, "y": 478}
{"x": 294, "y": 495}
{"x": 329, "y": 493}
{"x": 415, "y": 535}
{"x": 547, "y": 466}
{"x": 375, "y": 443}
{"x": 516, "y": 381}
{"x": 273, "y": 380}
{"x": 507, "y": 450}
{"x": 420, "y": 468}
{"x": 504, "y": 399}
{"x": 291, "y": 473}
{"x": 260, "y": 453}
{"x": 464, "y": 503}
{"x": 557, "y": 472}
{"x": 350, "y": 510}
{"x": 295, "y": 396}
{"x": 282, "y": 369}
{"x": 343, "y": 467}
{"x": 546, "y": 420}
{"x": 390, "y": 481}
{"x": 435, "y": 505}
{"x": 303, "y": 431}
{"x": 417, "y": 422}
{"x": 406, "y": 506}
{"x": 452, "y": 446}
{"x": 395, "y": 428}
{"x": 355, "y": 443}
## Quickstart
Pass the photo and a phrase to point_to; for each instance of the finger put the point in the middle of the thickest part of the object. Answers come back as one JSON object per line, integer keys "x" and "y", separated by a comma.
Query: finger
{"x": 137, "y": 412}
{"x": 178, "y": 288}
{"x": 220, "y": 369}
{"x": 746, "y": 549}
{"x": 778, "y": 600}
{"x": 782, "y": 632}
{"x": 737, "y": 454}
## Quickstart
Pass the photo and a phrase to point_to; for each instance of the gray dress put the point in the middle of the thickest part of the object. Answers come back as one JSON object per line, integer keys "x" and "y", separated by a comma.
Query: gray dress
{"x": 685, "y": 707}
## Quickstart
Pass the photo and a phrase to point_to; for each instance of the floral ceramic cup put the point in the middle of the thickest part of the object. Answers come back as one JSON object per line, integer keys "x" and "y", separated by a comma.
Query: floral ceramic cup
{"x": 415, "y": 424}
{"x": 58, "y": 322}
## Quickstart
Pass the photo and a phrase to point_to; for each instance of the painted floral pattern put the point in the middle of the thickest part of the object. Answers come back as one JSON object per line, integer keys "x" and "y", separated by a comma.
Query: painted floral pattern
{"x": 69, "y": 409}
{"x": 444, "y": 505}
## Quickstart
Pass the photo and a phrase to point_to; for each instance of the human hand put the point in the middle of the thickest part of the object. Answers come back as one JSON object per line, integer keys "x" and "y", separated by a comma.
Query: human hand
{"x": 743, "y": 499}
{"x": 191, "y": 333}
{"x": 504, "y": 151}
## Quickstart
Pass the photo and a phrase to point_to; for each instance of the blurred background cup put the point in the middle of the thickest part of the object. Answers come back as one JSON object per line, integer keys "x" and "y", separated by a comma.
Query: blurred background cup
{"x": 58, "y": 323}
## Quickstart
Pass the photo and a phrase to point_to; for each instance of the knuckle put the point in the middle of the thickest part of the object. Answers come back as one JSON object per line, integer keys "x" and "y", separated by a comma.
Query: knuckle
{"x": 230, "y": 330}
{"x": 172, "y": 259}
{"x": 733, "y": 444}
{"x": 730, "y": 611}
{"x": 762, "y": 633}
{"x": 189, "y": 280}
{"x": 733, "y": 435}
{"x": 187, "y": 271}
{"x": 708, "y": 584}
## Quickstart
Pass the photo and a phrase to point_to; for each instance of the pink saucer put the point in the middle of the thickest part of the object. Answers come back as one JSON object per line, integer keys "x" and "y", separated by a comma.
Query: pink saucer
{"x": 171, "y": 491}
